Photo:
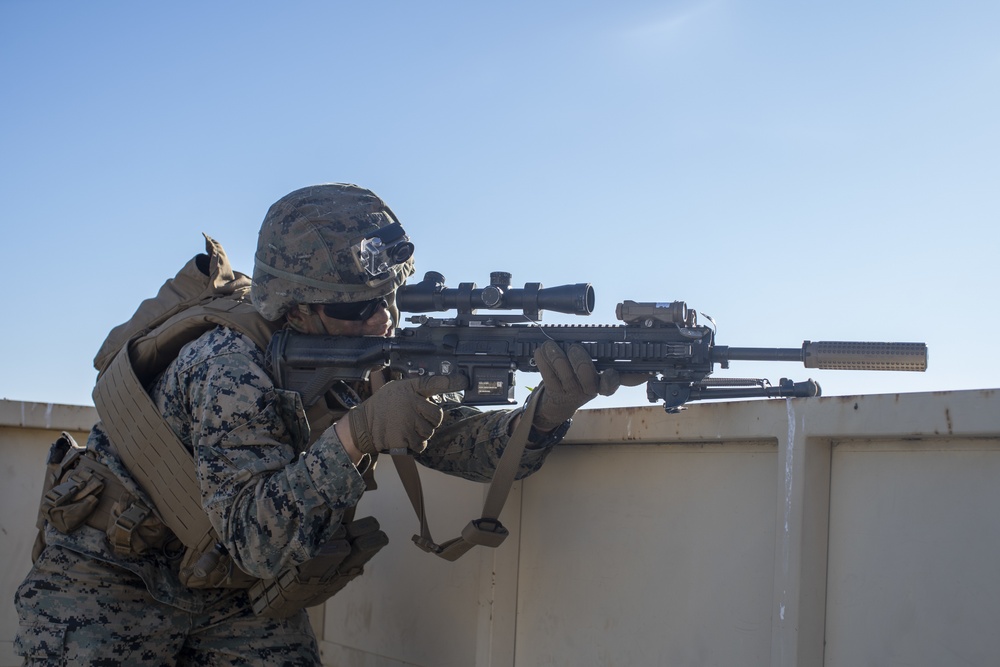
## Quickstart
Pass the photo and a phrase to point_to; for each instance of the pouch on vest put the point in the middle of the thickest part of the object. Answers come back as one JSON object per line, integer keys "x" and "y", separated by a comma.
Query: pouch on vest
{"x": 67, "y": 505}
{"x": 312, "y": 583}
{"x": 62, "y": 452}
{"x": 133, "y": 529}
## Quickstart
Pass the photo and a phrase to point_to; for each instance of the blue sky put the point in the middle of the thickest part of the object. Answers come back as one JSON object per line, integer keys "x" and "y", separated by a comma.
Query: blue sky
{"x": 821, "y": 171}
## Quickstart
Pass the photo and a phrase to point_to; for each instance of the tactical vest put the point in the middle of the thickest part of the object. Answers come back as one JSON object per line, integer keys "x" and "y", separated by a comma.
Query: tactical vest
{"x": 206, "y": 293}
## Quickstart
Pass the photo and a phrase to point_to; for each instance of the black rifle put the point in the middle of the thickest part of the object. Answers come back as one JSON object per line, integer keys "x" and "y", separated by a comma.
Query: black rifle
{"x": 661, "y": 340}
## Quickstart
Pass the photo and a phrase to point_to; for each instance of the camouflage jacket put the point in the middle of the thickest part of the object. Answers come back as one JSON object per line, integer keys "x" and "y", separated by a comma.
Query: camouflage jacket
{"x": 273, "y": 498}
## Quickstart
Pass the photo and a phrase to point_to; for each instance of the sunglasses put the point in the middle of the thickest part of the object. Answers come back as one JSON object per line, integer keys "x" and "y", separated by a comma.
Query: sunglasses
{"x": 356, "y": 311}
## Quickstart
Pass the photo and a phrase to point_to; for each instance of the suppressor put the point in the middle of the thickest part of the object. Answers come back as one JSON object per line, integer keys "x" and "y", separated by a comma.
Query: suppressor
{"x": 835, "y": 355}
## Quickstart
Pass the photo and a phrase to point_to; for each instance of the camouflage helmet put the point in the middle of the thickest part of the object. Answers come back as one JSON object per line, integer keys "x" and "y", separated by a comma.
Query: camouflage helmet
{"x": 311, "y": 249}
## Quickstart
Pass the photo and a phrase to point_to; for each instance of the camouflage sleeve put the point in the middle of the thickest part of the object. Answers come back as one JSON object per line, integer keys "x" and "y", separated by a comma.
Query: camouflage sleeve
{"x": 272, "y": 504}
{"x": 469, "y": 444}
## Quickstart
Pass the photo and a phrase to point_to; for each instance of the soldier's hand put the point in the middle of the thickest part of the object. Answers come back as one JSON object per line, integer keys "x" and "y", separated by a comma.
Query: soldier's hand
{"x": 400, "y": 416}
{"x": 570, "y": 379}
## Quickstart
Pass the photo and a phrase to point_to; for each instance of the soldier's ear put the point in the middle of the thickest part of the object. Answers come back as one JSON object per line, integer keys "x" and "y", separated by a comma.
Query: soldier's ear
{"x": 299, "y": 317}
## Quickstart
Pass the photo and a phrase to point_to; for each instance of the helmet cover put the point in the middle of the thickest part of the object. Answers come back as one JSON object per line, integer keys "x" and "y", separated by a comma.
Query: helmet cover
{"x": 307, "y": 250}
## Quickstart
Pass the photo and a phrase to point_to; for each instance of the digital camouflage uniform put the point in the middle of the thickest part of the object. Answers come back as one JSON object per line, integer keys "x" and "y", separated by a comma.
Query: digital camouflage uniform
{"x": 273, "y": 499}
{"x": 271, "y": 505}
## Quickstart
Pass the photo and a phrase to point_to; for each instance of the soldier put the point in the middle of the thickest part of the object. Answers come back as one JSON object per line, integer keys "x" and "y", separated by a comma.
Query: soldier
{"x": 118, "y": 579}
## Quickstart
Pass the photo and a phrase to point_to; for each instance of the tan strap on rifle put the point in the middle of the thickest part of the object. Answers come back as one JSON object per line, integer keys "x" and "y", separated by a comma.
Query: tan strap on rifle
{"x": 486, "y": 530}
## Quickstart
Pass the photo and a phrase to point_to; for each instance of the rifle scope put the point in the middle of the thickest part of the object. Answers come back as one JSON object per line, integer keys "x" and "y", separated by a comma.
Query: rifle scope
{"x": 430, "y": 295}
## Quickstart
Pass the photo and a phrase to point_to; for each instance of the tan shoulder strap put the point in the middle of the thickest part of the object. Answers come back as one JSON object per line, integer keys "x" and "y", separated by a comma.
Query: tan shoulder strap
{"x": 152, "y": 353}
{"x": 149, "y": 448}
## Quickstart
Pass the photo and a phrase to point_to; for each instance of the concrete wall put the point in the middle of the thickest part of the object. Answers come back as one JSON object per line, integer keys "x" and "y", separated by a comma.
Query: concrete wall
{"x": 26, "y": 431}
{"x": 836, "y": 531}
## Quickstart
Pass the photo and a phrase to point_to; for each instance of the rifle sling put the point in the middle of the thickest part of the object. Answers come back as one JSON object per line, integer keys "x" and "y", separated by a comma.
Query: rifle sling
{"x": 487, "y": 530}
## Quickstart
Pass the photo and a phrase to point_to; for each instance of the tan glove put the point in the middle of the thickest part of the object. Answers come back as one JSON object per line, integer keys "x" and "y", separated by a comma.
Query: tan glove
{"x": 570, "y": 379}
{"x": 400, "y": 416}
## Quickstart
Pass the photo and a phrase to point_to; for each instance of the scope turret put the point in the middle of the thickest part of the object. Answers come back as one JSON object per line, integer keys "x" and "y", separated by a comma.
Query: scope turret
{"x": 431, "y": 295}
